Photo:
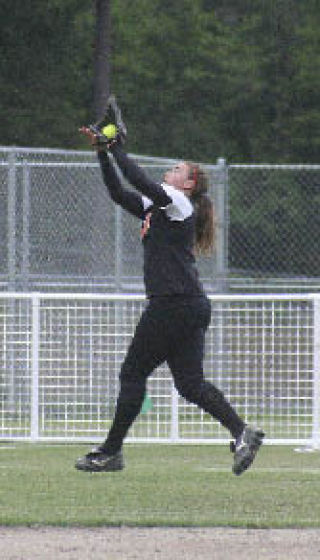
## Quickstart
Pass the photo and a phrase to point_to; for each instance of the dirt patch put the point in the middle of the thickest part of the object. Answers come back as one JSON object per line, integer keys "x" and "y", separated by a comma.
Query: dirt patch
{"x": 125, "y": 543}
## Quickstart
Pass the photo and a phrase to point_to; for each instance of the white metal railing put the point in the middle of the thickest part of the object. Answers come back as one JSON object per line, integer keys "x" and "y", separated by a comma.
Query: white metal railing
{"x": 61, "y": 354}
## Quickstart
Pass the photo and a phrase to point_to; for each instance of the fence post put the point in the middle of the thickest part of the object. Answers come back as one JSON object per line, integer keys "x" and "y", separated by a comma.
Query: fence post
{"x": 174, "y": 435}
{"x": 11, "y": 271}
{"x": 118, "y": 249}
{"x": 12, "y": 187}
{"x": 222, "y": 227}
{"x": 316, "y": 374}
{"x": 25, "y": 266}
{"x": 118, "y": 243}
{"x": 35, "y": 367}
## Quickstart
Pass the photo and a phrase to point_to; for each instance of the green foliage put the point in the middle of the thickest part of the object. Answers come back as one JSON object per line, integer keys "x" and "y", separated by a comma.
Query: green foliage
{"x": 46, "y": 83}
{"x": 274, "y": 222}
{"x": 217, "y": 79}
{"x": 198, "y": 81}
{"x": 164, "y": 84}
{"x": 305, "y": 122}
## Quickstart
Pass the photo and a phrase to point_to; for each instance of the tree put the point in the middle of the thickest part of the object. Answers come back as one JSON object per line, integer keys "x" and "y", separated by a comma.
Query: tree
{"x": 101, "y": 83}
{"x": 163, "y": 80}
{"x": 216, "y": 78}
{"x": 47, "y": 71}
{"x": 304, "y": 128}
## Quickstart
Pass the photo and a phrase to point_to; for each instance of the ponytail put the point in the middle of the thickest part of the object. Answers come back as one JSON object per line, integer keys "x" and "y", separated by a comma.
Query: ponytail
{"x": 204, "y": 212}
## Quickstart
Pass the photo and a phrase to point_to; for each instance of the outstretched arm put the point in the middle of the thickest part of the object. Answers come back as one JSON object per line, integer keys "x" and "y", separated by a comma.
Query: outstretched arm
{"x": 127, "y": 199}
{"x": 138, "y": 178}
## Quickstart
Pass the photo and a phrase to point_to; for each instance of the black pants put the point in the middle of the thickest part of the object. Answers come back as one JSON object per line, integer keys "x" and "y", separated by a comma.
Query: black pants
{"x": 171, "y": 329}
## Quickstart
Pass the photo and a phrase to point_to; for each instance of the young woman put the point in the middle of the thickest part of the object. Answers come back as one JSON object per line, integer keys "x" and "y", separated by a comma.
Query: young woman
{"x": 177, "y": 222}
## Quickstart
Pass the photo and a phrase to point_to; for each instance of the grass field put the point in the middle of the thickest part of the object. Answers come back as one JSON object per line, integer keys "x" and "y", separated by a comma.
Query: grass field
{"x": 162, "y": 485}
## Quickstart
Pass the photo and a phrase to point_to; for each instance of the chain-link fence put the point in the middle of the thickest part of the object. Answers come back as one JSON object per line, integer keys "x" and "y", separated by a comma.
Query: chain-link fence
{"x": 60, "y": 231}
{"x": 274, "y": 227}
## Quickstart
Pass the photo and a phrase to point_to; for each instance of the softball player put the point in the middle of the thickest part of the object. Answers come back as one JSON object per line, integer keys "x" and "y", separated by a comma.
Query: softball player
{"x": 177, "y": 221}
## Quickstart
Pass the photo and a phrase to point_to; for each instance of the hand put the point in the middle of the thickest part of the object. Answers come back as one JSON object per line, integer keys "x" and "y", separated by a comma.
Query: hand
{"x": 91, "y": 135}
{"x": 97, "y": 140}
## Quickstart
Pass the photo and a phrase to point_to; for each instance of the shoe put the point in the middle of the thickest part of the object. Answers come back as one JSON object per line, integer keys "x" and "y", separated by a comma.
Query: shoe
{"x": 245, "y": 449}
{"x": 112, "y": 116}
{"x": 98, "y": 460}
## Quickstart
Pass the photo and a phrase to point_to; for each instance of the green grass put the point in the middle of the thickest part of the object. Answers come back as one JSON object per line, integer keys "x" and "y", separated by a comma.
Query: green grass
{"x": 162, "y": 485}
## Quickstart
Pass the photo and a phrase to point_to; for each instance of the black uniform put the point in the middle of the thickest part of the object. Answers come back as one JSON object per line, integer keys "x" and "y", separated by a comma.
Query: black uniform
{"x": 172, "y": 327}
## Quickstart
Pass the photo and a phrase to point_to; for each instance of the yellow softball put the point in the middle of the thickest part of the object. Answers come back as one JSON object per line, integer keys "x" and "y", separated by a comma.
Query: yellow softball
{"x": 110, "y": 131}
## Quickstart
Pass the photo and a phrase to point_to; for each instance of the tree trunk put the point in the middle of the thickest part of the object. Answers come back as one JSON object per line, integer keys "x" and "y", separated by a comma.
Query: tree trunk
{"x": 100, "y": 260}
{"x": 101, "y": 82}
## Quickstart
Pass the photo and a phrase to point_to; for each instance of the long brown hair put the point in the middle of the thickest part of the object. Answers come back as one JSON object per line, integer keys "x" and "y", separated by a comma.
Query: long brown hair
{"x": 205, "y": 225}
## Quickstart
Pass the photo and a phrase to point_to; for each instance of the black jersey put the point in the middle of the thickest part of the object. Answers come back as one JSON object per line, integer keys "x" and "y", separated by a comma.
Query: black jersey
{"x": 167, "y": 227}
{"x": 168, "y": 239}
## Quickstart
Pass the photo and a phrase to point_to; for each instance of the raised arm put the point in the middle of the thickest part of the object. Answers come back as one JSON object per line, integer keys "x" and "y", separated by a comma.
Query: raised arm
{"x": 127, "y": 199}
{"x": 153, "y": 192}
{"x": 138, "y": 178}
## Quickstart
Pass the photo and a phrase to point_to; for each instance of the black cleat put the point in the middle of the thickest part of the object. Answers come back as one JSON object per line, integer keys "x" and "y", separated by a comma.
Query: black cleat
{"x": 98, "y": 460}
{"x": 111, "y": 116}
{"x": 245, "y": 449}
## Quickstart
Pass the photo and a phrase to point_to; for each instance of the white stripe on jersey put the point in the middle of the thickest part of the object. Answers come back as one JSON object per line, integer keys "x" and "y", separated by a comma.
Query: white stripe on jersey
{"x": 146, "y": 202}
{"x": 179, "y": 209}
